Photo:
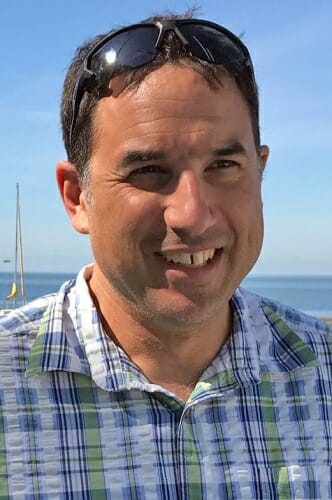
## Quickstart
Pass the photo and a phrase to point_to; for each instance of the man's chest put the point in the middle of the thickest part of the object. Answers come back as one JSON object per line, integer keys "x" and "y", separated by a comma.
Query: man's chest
{"x": 268, "y": 441}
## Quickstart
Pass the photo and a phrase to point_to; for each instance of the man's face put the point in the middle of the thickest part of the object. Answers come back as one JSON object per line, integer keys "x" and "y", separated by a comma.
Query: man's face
{"x": 174, "y": 211}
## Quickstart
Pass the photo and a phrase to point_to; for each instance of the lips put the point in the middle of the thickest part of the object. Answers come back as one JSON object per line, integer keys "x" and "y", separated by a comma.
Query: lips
{"x": 196, "y": 259}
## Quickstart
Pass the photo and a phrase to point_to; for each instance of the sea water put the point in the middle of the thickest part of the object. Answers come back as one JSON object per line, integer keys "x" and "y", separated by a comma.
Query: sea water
{"x": 311, "y": 294}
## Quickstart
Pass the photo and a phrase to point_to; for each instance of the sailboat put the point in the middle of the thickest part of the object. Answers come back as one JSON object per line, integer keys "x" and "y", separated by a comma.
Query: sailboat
{"x": 18, "y": 287}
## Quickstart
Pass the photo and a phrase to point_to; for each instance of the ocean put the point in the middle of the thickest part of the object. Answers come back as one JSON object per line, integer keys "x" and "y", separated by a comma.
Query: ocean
{"x": 311, "y": 294}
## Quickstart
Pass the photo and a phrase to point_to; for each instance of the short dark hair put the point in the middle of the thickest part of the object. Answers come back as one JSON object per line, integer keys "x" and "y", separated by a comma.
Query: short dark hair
{"x": 79, "y": 149}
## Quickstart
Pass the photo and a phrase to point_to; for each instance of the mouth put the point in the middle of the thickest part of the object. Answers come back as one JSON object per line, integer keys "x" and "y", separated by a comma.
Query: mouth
{"x": 191, "y": 260}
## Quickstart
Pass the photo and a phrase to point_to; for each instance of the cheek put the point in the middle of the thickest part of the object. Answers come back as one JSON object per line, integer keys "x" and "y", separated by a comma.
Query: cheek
{"x": 125, "y": 220}
{"x": 244, "y": 207}
{"x": 246, "y": 222}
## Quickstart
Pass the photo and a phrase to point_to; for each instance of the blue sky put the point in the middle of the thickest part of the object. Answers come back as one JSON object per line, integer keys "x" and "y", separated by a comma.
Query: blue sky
{"x": 290, "y": 43}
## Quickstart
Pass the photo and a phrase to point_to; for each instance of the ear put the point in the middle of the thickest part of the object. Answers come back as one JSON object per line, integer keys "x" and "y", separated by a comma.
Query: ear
{"x": 263, "y": 154}
{"x": 74, "y": 199}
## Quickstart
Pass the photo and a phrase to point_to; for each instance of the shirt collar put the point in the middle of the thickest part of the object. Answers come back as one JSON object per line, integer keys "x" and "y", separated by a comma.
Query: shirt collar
{"x": 71, "y": 338}
{"x": 261, "y": 342}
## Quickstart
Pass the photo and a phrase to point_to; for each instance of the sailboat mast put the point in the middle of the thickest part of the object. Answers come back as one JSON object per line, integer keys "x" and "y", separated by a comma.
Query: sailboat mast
{"x": 16, "y": 244}
{"x": 20, "y": 242}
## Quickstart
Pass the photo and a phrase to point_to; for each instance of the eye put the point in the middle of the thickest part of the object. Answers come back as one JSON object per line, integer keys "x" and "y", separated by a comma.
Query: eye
{"x": 224, "y": 170}
{"x": 149, "y": 177}
{"x": 223, "y": 164}
{"x": 147, "y": 169}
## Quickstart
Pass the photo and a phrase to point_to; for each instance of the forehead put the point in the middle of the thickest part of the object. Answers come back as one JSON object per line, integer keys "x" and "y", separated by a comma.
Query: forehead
{"x": 172, "y": 104}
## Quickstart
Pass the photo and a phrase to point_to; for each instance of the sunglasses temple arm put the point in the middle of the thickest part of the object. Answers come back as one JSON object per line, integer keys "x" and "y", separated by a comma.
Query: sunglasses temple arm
{"x": 76, "y": 102}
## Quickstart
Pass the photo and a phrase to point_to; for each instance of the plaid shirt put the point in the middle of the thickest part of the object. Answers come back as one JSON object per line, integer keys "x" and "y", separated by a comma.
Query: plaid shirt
{"x": 78, "y": 420}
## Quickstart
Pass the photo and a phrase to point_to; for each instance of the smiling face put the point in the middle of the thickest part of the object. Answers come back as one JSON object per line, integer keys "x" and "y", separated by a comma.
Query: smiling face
{"x": 174, "y": 209}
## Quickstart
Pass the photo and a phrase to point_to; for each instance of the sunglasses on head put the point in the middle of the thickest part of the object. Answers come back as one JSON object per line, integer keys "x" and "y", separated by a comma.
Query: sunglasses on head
{"x": 132, "y": 47}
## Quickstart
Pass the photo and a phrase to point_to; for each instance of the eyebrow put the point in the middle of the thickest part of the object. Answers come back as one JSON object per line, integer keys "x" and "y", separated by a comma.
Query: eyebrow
{"x": 137, "y": 156}
{"x": 134, "y": 157}
{"x": 231, "y": 149}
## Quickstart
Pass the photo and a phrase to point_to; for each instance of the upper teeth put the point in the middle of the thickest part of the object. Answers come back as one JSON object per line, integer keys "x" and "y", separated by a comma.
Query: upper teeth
{"x": 190, "y": 259}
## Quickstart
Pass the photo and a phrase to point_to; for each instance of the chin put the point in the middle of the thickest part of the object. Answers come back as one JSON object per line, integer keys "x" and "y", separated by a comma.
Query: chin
{"x": 179, "y": 308}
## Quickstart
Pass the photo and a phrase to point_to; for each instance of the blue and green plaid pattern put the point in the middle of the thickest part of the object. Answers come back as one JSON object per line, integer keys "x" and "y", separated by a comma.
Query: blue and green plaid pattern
{"x": 78, "y": 420}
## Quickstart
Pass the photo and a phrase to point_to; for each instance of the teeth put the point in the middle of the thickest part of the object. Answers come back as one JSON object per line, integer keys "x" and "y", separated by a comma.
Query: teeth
{"x": 180, "y": 258}
{"x": 209, "y": 254}
{"x": 196, "y": 259}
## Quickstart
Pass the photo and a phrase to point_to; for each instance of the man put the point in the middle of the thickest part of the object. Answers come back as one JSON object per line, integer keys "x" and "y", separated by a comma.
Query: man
{"x": 153, "y": 375}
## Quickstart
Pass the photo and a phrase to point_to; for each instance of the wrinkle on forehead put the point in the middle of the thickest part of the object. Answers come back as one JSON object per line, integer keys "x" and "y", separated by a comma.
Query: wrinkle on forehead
{"x": 170, "y": 84}
{"x": 173, "y": 107}
{"x": 196, "y": 143}
{"x": 131, "y": 80}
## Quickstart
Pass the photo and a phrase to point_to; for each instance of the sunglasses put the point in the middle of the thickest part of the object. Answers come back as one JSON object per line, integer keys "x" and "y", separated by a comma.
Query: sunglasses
{"x": 137, "y": 45}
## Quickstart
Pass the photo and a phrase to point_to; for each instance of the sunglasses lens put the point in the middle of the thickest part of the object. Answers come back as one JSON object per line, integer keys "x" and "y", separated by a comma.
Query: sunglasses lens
{"x": 209, "y": 44}
{"x": 127, "y": 50}
{"x": 135, "y": 46}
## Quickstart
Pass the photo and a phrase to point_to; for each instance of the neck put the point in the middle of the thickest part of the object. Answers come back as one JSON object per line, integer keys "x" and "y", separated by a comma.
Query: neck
{"x": 173, "y": 358}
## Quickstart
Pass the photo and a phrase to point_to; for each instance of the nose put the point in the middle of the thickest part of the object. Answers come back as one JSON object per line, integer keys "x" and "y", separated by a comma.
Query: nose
{"x": 189, "y": 206}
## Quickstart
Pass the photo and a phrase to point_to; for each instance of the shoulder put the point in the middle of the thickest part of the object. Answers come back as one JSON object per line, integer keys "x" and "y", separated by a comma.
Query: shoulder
{"x": 21, "y": 325}
{"x": 18, "y": 330}
{"x": 25, "y": 319}
{"x": 281, "y": 320}
{"x": 297, "y": 320}
{"x": 300, "y": 322}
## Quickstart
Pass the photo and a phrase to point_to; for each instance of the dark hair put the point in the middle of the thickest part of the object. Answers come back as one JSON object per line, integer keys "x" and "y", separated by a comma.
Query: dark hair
{"x": 172, "y": 51}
